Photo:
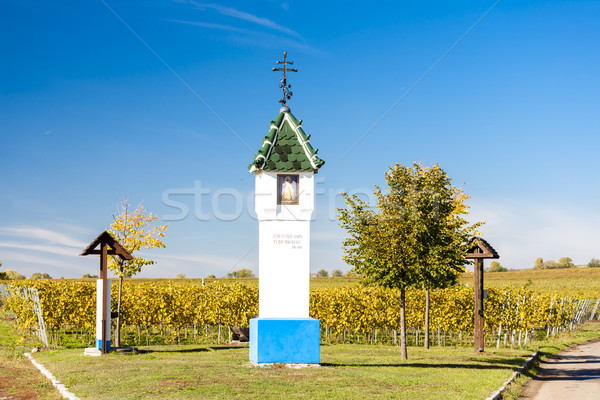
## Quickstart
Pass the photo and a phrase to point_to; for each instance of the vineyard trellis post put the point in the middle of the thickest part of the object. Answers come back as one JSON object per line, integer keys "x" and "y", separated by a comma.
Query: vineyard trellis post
{"x": 549, "y": 317}
{"x": 501, "y": 319}
{"x": 33, "y": 295}
{"x": 478, "y": 250}
{"x": 594, "y": 310}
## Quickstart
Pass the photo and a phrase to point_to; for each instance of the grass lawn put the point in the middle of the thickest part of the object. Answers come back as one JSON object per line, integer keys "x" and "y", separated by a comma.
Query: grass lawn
{"x": 347, "y": 371}
{"x": 217, "y": 372}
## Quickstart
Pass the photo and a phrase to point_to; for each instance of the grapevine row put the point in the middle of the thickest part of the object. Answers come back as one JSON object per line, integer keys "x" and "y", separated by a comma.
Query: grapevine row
{"x": 345, "y": 312}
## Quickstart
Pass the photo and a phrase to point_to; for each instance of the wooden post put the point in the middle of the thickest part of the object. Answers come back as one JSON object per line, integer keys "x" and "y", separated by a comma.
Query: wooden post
{"x": 108, "y": 245}
{"x": 478, "y": 309}
{"x": 104, "y": 276}
{"x": 478, "y": 250}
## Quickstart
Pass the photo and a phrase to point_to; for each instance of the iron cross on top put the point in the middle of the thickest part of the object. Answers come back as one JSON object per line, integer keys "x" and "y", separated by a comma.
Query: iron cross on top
{"x": 287, "y": 94}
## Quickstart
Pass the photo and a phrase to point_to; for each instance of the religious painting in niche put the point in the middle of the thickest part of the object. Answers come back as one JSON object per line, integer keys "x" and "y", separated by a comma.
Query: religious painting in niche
{"x": 287, "y": 190}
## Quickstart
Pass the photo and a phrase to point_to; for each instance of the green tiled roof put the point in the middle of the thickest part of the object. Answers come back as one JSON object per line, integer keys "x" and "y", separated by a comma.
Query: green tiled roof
{"x": 286, "y": 148}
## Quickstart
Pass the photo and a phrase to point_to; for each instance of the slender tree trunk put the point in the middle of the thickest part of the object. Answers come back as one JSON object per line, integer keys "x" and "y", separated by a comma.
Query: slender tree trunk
{"x": 427, "y": 316}
{"x": 404, "y": 354}
{"x": 118, "y": 330}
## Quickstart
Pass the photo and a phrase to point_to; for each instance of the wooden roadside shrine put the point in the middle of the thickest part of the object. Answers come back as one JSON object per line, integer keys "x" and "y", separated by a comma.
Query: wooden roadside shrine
{"x": 107, "y": 246}
{"x": 478, "y": 250}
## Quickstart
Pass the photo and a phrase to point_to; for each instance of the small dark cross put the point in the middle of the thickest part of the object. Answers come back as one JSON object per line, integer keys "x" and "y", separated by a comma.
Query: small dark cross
{"x": 287, "y": 94}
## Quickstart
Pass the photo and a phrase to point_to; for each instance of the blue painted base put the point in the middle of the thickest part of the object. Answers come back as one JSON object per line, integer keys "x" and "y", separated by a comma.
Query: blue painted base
{"x": 99, "y": 344}
{"x": 282, "y": 340}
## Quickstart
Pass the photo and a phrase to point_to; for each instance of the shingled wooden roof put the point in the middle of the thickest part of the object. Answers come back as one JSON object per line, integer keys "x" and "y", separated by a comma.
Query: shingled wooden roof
{"x": 115, "y": 247}
{"x": 479, "y": 248}
{"x": 286, "y": 148}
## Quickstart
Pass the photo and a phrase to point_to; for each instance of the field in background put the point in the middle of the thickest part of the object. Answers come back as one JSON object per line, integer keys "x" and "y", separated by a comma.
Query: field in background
{"x": 576, "y": 281}
{"x": 573, "y": 281}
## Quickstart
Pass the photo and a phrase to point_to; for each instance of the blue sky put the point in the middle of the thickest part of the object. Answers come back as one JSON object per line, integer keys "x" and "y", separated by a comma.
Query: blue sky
{"x": 158, "y": 100}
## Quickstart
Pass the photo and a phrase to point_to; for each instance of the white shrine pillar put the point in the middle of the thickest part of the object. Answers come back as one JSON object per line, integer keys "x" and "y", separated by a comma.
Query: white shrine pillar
{"x": 285, "y": 203}
{"x": 99, "y": 296}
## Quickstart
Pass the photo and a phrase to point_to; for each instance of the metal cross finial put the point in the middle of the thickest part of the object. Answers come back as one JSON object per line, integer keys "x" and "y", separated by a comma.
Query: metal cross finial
{"x": 287, "y": 94}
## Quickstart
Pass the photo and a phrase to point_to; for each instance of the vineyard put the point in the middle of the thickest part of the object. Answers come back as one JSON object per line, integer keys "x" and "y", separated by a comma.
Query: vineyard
{"x": 156, "y": 313}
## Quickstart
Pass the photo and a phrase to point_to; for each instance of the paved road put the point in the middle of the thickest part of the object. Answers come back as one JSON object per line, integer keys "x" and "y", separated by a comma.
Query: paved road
{"x": 572, "y": 374}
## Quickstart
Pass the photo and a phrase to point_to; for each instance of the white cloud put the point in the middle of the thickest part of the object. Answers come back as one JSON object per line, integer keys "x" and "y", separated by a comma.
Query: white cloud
{"x": 195, "y": 265}
{"x": 42, "y": 248}
{"x": 521, "y": 230}
{"x": 29, "y": 249}
{"x": 209, "y": 258}
{"x": 228, "y": 28}
{"x": 27, "y": 263}
{"x": 42, "y": 234}
{"x": 255, "y": 38}
{"x": 245, "y": 16}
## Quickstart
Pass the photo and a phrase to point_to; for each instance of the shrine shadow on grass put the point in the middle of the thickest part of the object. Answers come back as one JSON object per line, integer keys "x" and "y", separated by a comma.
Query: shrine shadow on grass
{"x": 192, "y": 350}
{"x": 512, "y": 361}
{"x": 508, "y": 364}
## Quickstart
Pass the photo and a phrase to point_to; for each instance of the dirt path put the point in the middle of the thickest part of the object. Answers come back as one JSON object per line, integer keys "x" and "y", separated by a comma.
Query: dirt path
{"x": 571, "y": 374}
{"x": 20, "y": 380}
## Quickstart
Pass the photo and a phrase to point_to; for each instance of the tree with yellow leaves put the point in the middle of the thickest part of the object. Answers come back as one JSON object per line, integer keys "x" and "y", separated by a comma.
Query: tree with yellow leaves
{"x": 134, "y": 229}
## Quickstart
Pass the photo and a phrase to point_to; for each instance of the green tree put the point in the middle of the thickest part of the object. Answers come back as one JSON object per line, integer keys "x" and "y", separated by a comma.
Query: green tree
{"x": 539, "y": 263}
{"x": 565, "y": 262}
{"x": 210, "y": 276}
{"x": 549, "y": 264}
{"x": 39, "y": 275}
{"x": 495, "y": 266}
{"x": 322, "y": 274}
{"x": 415, "y": 236}
{"x": 336, "y": 273}
{"x": 13, "y": 275}
{"x": 134, "y": 229}
{"x": 181, "y": 276}
{"x": 84, "y": 276}
{"x": 442, "y": 230}
{"x": 241, "y": 273}
{"x": 594, "y": 263}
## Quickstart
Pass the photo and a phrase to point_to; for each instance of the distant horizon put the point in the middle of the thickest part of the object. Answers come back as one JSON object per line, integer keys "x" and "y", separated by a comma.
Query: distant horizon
{"x": 312, "y": 275}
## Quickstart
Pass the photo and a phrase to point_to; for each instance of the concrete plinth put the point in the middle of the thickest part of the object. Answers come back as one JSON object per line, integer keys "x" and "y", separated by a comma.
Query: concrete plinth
{"x": 283, "y": 340}
{"x": 92, "y": 352}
